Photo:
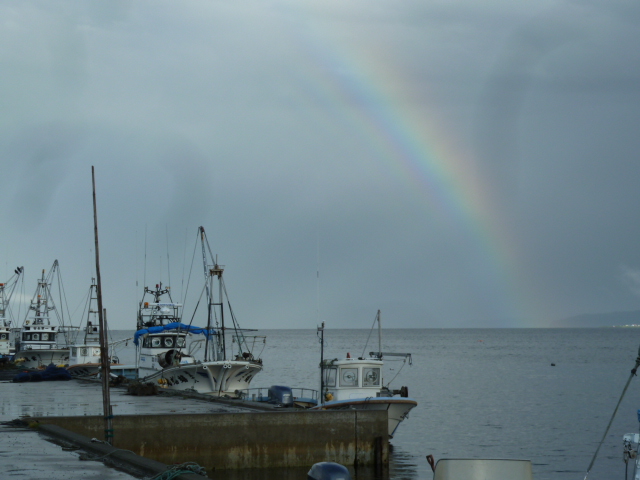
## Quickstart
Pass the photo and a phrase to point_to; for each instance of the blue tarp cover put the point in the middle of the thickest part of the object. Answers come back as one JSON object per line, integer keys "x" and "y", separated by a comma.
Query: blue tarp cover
{"x": 173, "y": 326}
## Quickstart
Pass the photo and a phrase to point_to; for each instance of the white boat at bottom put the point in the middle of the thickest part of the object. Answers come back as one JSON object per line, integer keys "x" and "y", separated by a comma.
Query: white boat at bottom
{"x": 357, "y": 383}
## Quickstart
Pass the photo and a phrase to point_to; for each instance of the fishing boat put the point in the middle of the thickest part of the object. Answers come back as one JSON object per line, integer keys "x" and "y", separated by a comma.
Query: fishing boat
{"x": 357, "y": 383}
{"x": 38, "y": 342}
{"x": 166, "y": 350}
{"x": 7, "y": 349}
{"x": 84, "y": 356}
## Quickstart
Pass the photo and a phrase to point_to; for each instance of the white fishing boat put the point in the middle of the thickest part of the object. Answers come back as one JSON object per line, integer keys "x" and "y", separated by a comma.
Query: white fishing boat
{"x": 357, "y": 383}
{"x": 7, "y": 348}
{"x": 84, "y": 356}
{"x": 38, "y": 342}
{"x": 166, "y": 349}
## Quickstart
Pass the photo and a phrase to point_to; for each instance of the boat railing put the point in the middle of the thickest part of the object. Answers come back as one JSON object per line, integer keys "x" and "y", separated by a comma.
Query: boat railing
{"x": 261, "y": 394}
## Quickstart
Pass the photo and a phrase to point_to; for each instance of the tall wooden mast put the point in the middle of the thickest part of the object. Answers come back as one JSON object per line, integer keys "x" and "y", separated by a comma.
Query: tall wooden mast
{"x": 104, "y": 344}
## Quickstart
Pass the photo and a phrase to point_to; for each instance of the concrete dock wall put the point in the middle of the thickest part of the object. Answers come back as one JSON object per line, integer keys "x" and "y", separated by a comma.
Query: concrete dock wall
{"x": 246, "y": 440}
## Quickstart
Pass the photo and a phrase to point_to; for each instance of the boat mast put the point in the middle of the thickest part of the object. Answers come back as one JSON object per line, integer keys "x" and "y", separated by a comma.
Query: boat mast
{"x": 209, "y": 273}
{"x": 92, "y": 297}
{"x": 321, "y": 330}
{"x": 379, "y": 333}
{"x": 206, "y": 284}
{"x": 104, "y": 346}
{"x": 6, "y": 291}
{"x": 217, "y": 270}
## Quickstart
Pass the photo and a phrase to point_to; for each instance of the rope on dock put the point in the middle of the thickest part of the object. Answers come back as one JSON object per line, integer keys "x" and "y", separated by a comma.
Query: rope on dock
{"x": 175, "y": 471}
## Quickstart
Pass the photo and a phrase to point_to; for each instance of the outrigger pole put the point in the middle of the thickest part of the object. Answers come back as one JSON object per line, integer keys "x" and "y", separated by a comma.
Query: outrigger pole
{"x": 104, "y": 345}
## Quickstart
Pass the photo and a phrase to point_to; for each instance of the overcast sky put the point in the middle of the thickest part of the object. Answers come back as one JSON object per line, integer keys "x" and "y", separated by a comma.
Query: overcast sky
{"x": 451, "y": 163}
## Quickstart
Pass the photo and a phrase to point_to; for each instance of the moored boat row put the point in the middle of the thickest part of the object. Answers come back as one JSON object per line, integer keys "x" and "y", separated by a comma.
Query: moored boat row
{"x": 217, "y": 359}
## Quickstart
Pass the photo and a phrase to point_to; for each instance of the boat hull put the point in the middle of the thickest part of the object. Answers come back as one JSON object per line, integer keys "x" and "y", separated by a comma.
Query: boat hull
{"x": 88, "y": 370}
{"x": 398, "y": 408}
{"x": 42, "y": 358}
{"x": 218, "y": 378}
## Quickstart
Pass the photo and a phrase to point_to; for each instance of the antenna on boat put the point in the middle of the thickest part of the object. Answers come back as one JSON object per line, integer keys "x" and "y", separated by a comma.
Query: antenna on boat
{"x": 144, "y": 275}
{"x": 166, "y": 229}
{"x": 321, "y": 330}
{"x": 104, "y": 347}
{"x": 379, "y": 333}
{"x": 376, "y": 319}
{"x": 318, "y": 278}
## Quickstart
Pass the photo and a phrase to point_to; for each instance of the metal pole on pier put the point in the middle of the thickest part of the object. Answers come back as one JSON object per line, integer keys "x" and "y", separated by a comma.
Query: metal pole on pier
{"x": 321, "y": 330}
{"x": 102, "y": 320}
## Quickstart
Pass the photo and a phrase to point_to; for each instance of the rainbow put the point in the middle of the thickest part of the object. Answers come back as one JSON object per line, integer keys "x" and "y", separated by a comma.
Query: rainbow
{"x": 415, "y": 148}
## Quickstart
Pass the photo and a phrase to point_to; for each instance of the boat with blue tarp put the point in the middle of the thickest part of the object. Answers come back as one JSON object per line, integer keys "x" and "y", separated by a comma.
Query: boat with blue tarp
{"x": 166, "y": 348}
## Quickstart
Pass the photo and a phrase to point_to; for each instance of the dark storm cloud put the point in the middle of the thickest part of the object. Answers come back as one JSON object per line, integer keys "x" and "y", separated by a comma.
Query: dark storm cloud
{"x": 238, "y": 117}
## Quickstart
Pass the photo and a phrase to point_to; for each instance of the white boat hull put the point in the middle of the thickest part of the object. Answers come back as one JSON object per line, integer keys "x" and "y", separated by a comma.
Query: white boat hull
{"x": 42, "y": 358}
{"x": 218, "y": 378}
{"x": 87, "y": 370}
{"x": 398, "y": 408}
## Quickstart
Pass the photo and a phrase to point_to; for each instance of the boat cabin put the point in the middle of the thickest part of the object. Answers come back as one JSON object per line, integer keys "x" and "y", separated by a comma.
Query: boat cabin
{"x": 5, "y": 342}
{"x": 352, "y": 378}
{"x": 38, "y": 337}
{"x": 158, "y": 314}
{"x": 84, "y": 354}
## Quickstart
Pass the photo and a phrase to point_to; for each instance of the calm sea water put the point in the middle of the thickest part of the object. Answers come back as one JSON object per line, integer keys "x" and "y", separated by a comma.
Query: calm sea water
{"x": 487, "y": 393}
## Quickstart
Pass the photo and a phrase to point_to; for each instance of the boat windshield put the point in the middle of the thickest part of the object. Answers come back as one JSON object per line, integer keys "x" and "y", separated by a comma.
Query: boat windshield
{"x": 165, "y": 341}
{"x": 348, "y": 377}
{"x": 48, "y": 337}
{"x": 370, "y": 377}
{"x": 330, "y": 375}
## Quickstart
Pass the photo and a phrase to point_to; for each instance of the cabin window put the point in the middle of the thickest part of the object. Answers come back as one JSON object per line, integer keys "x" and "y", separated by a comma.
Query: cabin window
{"x": 96, "y": 352}
{"x": 45, "y": 336}
{"x": 180, "y": 342}
{"x": 370, "y": 377}
{"x": 84, "y": 352}
{"x": 74, "y": 351}
{"x": 3, "y": 336}
{"x": 330, "y": 377}
{"x": 36, "y": 336}
{"x": 168, "y": 341}
{"x": 348, "y": 377}
{"x": 155, "y": 342}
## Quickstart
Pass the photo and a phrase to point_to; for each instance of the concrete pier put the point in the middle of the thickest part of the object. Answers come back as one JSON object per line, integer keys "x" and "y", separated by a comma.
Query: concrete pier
{"x": 221, "y": 441}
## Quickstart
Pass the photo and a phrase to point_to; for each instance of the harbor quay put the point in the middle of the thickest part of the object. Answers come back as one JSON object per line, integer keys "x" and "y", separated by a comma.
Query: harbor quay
{"x": 221, "y": 441}
{"x": 223, "y": 436}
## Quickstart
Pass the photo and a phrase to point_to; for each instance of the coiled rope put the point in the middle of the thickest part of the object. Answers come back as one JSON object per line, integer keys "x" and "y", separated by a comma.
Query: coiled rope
{"x": 172, "y": 472}
{"x": 175, "y": 471}
{"x": 633, "y": 374}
